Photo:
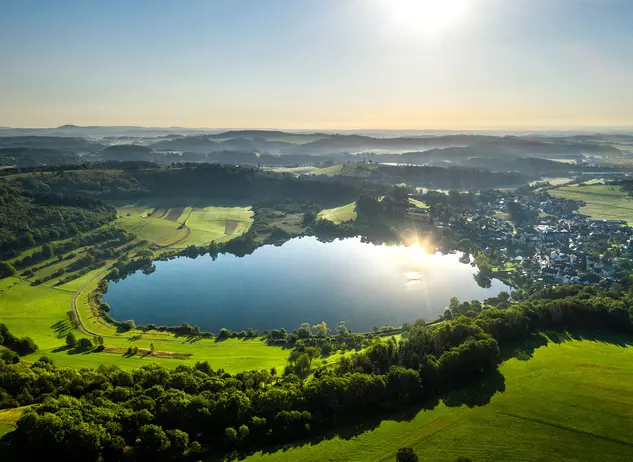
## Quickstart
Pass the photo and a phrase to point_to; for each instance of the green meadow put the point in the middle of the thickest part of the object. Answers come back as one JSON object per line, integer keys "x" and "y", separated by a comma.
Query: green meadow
{"x": 603, "y": 202}
{"x": 179, "y": 227}
{"x": 572, "y": 401}
{"x": 418, "y": 204}
{"x": 339, "y": 215}
{"x": 331, "y": 170}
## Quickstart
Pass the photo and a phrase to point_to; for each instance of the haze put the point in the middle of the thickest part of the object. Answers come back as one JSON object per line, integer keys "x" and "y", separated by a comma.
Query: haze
{"x": 327, "y": 64}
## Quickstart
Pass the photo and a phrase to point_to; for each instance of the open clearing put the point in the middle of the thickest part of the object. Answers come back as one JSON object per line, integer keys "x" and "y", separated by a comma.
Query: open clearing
{"x": 179, "y": 227}
{"x": 331, "y": 170}
{"x": 8, "y": 419}
{"x": 604, "y": 202}
{"x": 339, "y": 215}
{"x": 418, "y": 204}
{"x": 571, "y": 401}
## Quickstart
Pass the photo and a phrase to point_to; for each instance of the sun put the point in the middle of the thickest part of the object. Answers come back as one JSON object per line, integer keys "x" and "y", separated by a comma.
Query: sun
{"x": 430, "y": 17}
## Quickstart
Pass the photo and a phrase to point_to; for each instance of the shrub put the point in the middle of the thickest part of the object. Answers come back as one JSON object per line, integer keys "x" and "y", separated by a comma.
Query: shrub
{"x": 84, "y": 343}
{"x": 71, "y": 340}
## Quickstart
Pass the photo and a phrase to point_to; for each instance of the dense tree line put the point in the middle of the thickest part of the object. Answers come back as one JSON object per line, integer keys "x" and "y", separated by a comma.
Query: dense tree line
{"x": 155, "y": 414}
{"x": 29, "y": 217}
{"x": 20, "y": 345}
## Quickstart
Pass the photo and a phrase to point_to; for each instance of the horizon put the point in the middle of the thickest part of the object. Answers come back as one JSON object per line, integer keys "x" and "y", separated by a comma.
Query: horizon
{"x": 333, "y": 131}
{"x": 465, "y": 65}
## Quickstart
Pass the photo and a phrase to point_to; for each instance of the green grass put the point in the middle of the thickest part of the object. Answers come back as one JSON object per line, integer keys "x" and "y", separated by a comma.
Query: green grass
{"x": 218, "y": 224}
{"x": 38, "y": 312}
{"x": 203, "y": 224}
{"x": 604, "y": 202}
{"x": 418, "y": 204}
{"x": 571, "y": 401}
{"x": 331, "y": 170}
{"x": 232, "y": 355}
{"x": 339, "y": 214}
{"x": 156, "y": 230}
{"x": 6, "y": 428}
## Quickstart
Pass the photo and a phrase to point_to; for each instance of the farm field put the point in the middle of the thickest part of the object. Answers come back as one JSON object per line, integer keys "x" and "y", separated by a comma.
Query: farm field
{"x": 603, "y": 202}
{"x": 339, "y": 214}
{"x": 216, "y": 224}
{"x": 571, "y": 401}
{"x": 179, "y": 227}
{"x": 312, "y": 170}
{"x": 418, "y": 204}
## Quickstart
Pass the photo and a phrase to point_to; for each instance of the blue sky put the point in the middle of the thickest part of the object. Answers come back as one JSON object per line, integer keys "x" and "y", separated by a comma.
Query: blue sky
{"x": 303, "y": 64}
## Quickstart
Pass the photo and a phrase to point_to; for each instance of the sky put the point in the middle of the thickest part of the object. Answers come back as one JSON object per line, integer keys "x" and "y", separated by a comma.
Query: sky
{"x": 318, "y": 64}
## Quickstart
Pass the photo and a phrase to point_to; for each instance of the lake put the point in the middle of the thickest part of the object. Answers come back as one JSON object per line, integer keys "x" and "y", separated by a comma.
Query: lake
{"x": 303, "y": 280}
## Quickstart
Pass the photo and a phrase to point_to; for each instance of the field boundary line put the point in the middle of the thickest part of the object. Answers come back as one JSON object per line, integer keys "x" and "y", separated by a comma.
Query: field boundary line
{"x": 564, "y": 427}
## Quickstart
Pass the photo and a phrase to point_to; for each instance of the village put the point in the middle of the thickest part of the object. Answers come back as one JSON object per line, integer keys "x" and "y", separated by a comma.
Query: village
{"x": 532, "y": 239}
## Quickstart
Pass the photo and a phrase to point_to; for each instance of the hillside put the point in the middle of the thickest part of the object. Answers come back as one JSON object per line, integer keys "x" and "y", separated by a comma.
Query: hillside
{"x": 570, "y": 401}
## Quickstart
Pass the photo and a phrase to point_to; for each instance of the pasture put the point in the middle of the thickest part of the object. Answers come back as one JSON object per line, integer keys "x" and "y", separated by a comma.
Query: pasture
{"x": 218, "y": 224}
{"x": 418, "y": 204}
{"x": 179, "y": 227}
{"x": 339, "y": 215}
{"x": 603, "y": 202}
{"x": 331, "y": 170}
{"x": 571, "y": 401}
{"x": 8, "y": 419}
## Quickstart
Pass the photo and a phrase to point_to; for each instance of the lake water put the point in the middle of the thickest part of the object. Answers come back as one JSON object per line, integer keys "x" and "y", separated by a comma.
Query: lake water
{"x": 303, "y": 280}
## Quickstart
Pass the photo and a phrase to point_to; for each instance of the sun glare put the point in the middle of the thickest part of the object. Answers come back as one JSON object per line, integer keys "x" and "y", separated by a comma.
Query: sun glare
{"x": 418, "y": 253}
{"x": 430, "y": 17}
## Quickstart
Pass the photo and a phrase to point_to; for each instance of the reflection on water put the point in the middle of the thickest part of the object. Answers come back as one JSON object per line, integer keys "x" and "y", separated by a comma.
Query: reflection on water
{"x": 304, "y": 280}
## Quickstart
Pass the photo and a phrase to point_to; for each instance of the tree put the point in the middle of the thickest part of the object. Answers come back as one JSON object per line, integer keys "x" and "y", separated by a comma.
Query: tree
{"x": 6, "y": 269}
{"x": 71, "y": 340}
{"x": 406, "y": 455}
{"x": 24, "y": 346}
{"x": 152, "y": 439}
{"x": 151, "y": 347}
{"x": 231, "y": 434}
{"x": 179, "y": 441}
{"x": 244, "y": 431}
{"x": 224, "y": 334}
{"x": 320, "y": 329}
{"x": 303, "y": 364}
{"x": 26, "y": 240}
{"x": 342, "y": 328}
{"x": 84, "y": 343}
{"x": 304, "y": 330}
{"x": 47, "y": 251}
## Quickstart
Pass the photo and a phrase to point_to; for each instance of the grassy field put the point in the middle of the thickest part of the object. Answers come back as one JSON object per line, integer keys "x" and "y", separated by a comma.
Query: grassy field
{"x": 8, "y": 418}
{"x": 418, "y": 204}
{"x": 604, "y": 202}
{"x": 571, "y": 401}
{"x": 179, "y": 227}
{"x": 38, "y": 312}
{"x": 339, "y": 214}
{"x": 218, "y": 224}
{"x": 331, "y": 170}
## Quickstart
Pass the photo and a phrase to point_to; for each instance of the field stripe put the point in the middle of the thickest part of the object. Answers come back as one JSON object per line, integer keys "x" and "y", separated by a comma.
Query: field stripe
{"x": 564, "y": 427}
